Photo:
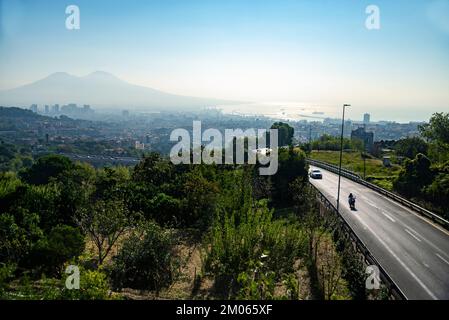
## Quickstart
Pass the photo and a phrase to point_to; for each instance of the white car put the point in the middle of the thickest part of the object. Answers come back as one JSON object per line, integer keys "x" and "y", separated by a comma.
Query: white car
{"x": 316, "y": 174}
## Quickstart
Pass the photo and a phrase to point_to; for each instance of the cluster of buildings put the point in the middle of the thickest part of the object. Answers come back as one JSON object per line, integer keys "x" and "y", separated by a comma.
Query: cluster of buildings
{"x": 367, "y": 131}
{"x": 70, "y": 109}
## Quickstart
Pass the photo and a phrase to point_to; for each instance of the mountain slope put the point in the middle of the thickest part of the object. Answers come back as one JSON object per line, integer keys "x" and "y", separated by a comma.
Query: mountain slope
{"x": 99, "y": 89}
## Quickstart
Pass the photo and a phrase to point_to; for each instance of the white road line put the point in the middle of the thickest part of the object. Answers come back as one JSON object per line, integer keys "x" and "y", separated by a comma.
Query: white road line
{"x": 371, "y": 203}
{"x": 414, "y": 231}
{"x": 388, "y": 216}
{"x": 436, "y": 226}
{"x": 425, "y": 240}
{"x": 447, "y": 262}
{"x": 410, "y": 233}
{"x": 398, "y": 259}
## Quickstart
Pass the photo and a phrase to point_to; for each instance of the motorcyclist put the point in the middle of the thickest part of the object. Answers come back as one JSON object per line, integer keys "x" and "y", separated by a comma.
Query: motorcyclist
{"x": 351, "y": 200}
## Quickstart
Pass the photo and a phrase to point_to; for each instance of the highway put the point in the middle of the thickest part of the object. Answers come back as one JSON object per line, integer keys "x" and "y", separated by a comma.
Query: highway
{"x": 411, "y": 249}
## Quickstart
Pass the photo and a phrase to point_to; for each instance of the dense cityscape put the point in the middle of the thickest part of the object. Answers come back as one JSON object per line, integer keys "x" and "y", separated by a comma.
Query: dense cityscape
{"x": 121, "y": 137}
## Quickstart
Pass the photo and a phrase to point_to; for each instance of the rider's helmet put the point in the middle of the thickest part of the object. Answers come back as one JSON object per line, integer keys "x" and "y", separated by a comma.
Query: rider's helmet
{"x": 351, "y": 196}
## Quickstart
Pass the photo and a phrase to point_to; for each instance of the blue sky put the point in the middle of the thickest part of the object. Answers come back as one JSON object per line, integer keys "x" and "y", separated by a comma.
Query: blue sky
{"x": 316, "y": 51}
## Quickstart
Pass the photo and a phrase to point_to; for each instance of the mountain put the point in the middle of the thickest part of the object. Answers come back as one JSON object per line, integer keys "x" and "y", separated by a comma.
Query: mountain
{"x": 100, "y": 90}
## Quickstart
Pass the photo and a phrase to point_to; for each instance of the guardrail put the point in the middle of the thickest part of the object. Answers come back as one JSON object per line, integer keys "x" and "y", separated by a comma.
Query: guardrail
{"x": 370, "y": 260}
{"x": 356, "y": 178}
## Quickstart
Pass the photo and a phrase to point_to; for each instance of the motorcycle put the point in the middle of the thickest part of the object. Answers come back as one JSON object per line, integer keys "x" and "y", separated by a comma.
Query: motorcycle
{"x": 351, "y": 201}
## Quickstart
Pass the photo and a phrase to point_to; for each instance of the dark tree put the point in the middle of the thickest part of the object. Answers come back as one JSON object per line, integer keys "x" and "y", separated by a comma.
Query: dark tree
{"x": 285, "y": 133}
{"x": 47, "y": 167}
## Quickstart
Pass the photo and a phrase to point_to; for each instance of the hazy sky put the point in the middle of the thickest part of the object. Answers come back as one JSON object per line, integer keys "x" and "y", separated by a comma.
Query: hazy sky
{"x": 316, "y": 51}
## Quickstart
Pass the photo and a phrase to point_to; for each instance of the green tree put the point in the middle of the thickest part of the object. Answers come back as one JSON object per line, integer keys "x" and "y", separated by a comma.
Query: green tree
{"x": 414, "y": 176}
{"x": 285, "y": 133}
{"x": 153, "y": 170}
{"x": 437, "y": 129}
{"x": 199, "y": 200}
{"x": 410, "y": 147}
{"x": 47, "y": 167}
{"x": 62, "y": 244}
{"x": 19, "y": 231}
{"x": 104, "y": 222}
{"x": 292, "y": 165}
{"x": 437, "y": 133}
{"x": 147, "y": 260}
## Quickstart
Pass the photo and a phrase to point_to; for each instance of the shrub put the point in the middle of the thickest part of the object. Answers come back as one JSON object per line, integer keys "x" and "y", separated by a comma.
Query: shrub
{"x": 6, "y": 274}
{"x": 93, "y": 286}
{"x": 230, "y": 247}
{"x": 146, "y": 260}
{"x": 62, "y": 244}
{"x": 19, "y": 231}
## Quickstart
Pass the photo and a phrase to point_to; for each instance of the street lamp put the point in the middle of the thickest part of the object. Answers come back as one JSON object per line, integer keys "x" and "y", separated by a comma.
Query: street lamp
{"x": 341, "y": 155}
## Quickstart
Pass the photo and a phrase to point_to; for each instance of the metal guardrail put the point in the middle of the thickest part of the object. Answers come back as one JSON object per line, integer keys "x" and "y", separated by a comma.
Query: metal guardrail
{"x": 392, "y": 287}
{"x": 356, "y": 178}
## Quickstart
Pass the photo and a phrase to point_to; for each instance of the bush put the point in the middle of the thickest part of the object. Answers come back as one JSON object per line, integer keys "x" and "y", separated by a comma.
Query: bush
{"x": 6, "y": 274}
{"x": 62, "y": 244}
{"x": 146, "y": 261}
{"x": 19, "y": 231}
{"x": 230, "y": 247}
{"x": 93, "y": 286}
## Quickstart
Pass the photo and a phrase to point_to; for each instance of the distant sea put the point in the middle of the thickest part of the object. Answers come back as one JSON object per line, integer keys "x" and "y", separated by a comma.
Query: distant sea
{"x": 296, "y": 111}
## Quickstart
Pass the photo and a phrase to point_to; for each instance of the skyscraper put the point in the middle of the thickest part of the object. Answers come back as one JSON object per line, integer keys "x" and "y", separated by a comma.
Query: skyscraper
{"x": 366, "y": 118}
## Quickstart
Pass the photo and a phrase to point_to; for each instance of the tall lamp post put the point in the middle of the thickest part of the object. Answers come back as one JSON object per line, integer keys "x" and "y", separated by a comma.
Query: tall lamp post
{"x": 341, "y": 155}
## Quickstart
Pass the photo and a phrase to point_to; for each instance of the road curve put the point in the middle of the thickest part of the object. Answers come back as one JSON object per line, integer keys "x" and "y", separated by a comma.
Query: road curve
{"x": 411, "y": 249}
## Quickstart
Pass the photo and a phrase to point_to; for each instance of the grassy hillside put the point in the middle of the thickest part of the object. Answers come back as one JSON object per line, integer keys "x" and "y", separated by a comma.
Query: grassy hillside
{"x": 375, "y": 171}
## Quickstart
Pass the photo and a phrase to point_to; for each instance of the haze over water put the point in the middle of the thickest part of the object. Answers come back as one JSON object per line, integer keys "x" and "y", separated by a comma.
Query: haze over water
{"x": 295, "y": 111}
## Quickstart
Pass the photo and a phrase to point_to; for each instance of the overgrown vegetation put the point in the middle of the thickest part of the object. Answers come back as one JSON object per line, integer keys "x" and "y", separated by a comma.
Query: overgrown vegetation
{"x": 255, "y": 236}
{"x": 370, "y": 167}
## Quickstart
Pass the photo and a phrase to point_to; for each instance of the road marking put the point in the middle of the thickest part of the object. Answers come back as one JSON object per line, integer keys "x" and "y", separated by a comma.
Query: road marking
{"x": 410, "y": 233}
{"x": 399, "y": 260}
{"x": 388, "y": 216}
{"x": 414, "y": 231}
{"x": 447, "y": 262}
{"x": 426, "y": 265}
{"x": 371, "y": 203}
{"x": 365, "y": 189}
{"x": 425, "y": 240}
{"x": 416, "y": 214}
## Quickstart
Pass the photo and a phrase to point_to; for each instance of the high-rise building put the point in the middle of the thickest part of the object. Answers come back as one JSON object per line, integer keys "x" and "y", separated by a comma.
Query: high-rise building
{"x": 366, "y": 118}
{"x": 33, "y": 108}
{"x": 55, "y": 108}
{"x": 367, "y": 138}
{"x": 47, "y": 109}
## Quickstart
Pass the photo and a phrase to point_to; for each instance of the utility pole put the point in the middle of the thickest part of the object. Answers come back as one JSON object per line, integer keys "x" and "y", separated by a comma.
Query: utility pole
{"x": 341, "y": 155}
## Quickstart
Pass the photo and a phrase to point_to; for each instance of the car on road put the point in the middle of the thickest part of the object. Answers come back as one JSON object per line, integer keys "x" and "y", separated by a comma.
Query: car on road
{"x": 316, "y": 174}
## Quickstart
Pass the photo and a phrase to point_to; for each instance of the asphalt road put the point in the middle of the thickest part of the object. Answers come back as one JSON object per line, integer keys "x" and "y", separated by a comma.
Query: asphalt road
{"x": 411, "y": 249}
